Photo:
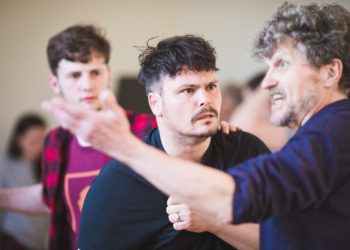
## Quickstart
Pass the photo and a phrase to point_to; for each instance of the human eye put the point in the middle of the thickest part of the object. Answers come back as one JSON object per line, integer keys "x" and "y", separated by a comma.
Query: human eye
{"x": 212, "y": 86}
{"x": 282, "y": 64}
{"x": 75, "y": 75}
{"x": 95, "y": 72}
{"x": 187, "y": 91}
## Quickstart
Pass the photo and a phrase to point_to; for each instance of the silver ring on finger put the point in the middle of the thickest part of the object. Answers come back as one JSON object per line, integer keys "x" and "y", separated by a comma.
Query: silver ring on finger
{"x": 178, "y": 217}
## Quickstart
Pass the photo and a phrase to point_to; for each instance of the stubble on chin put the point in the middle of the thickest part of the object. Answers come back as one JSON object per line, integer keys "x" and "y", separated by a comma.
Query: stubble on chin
{"x": 293, "y": 114}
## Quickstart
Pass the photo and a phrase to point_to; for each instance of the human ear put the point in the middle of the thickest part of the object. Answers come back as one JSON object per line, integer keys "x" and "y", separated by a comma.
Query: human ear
{"x": 54, "y": 84}
{"x": 155, "y": 103}
{"x": 333, "y": 72}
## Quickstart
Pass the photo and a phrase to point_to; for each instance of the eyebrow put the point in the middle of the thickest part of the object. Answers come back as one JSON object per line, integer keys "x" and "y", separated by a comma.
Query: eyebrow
{"x": 191, "y": 85}
{"x": 69, "y": 73}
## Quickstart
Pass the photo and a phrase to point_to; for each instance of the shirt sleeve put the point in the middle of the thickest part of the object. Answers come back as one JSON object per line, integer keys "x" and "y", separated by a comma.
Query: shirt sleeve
{"x": 297, "y": 177}
{"x": 141, "y": 124}
{"x": 121, "y": 211}
{"x": 45, "y": 170}
{"x": 49, "y": 167}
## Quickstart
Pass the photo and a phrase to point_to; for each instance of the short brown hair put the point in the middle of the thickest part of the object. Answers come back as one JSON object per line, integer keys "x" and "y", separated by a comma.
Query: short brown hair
{"x": 77, "y": 43}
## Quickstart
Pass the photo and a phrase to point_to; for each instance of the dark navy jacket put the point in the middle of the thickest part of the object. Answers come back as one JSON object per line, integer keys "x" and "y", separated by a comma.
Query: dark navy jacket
{"x": 301, "y": 193}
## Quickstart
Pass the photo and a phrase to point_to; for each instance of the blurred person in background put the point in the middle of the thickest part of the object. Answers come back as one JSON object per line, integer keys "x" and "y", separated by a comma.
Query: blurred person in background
{"x": 21, "y": 167}
{"x": 78, "y": 58}
{"x": 231, "y": 98}
{"x": 253, "y": 115}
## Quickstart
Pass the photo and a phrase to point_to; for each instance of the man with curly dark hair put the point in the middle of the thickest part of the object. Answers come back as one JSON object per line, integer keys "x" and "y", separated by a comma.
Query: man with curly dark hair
{"x": 300, "y": 194}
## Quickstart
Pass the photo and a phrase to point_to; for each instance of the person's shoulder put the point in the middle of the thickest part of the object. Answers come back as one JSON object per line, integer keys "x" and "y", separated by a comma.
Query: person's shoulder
{"x": 116, "y": 169}
{"x": 57, "y": 131}
{"x": 332, "y": 120}
{"x": 246, "y": 136}
{"x": 118, "y": 174}
{"x": 57, "y": 138}
{"x": 114, "y": 166}
{"x": 57, "y": 134}
{"x": 237, "y": 137}
{"x": 242, "y": 141}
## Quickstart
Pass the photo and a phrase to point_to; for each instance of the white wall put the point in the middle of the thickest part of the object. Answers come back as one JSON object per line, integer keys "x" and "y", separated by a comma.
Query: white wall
{"x": 26, "y": 26}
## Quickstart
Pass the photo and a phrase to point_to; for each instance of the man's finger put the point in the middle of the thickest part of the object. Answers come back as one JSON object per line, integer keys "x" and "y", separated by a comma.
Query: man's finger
{"x": 234, "y": 128}
{"x": 180, "y": 225}
{"x": 173, "y": 201}
{"x": 173, "y": 217}
{"x": 110, "y": 104}
{"x": 107, "y": 100}
{"x": 171, "y": 209}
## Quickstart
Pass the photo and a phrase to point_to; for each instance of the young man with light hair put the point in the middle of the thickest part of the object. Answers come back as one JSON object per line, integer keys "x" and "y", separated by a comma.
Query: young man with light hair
{"x": 78, "y": 58}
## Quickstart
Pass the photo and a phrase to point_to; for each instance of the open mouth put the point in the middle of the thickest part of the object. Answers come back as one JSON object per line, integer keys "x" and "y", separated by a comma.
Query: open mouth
{"x": 276, "y": 97}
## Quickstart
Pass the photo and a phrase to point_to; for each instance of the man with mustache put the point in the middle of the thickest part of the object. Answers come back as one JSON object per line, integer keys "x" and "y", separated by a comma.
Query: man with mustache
{"x": 124, "y": 211}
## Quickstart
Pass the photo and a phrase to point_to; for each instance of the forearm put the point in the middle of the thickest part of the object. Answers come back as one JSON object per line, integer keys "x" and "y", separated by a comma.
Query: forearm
{"x": 27, "y": 200}
{"x": 204, "y": 188}
{"x": 243, "y": 237}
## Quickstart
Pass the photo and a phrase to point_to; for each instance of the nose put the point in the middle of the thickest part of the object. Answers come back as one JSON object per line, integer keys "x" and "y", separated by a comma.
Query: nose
{"x": 86, "y": 82}
{"x": 269, "y": 81}
{"x": 203, "y": 97}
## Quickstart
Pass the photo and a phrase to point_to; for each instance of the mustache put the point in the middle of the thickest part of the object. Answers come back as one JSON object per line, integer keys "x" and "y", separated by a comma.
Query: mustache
{"x": 204, "y": 111}
{"x": 275, "y": 91}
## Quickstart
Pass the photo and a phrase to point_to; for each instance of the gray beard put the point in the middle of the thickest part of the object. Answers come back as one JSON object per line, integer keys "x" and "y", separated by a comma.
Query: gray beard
{"x": 294, "y": 113}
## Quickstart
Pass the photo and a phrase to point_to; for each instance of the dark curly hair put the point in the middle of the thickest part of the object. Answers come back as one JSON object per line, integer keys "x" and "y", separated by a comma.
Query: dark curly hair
{"x": 324, "y": 31}
{"x": 76, "y": 44}
{"x": 172, "y": 55}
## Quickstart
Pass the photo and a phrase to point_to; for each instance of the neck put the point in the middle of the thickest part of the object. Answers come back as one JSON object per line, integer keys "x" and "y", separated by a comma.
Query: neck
{"x": 323, "y": 102}
{"x": 184, "y": 147}
{"x": 82, "y": 142}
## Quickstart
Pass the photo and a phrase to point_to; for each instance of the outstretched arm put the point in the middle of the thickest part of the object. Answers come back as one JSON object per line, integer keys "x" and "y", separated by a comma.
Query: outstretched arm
{"x": 205, "y": 189}
{"x": 27, "y": 200}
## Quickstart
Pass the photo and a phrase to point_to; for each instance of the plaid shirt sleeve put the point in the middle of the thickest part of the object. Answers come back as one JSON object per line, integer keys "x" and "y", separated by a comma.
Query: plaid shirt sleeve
{"x": 141, "y": 124}
{"x": 53, "y": 168}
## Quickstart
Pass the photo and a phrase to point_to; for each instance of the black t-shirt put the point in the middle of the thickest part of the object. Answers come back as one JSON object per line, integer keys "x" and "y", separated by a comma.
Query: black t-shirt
{"x": 124, "y": 211}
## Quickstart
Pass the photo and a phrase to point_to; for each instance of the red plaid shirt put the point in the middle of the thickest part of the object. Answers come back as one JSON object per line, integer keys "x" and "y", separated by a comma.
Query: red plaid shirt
{"x": 54, "y": 169}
